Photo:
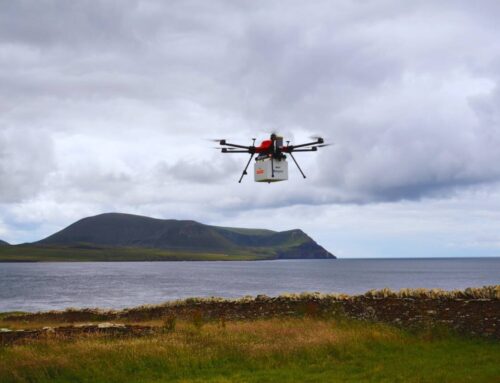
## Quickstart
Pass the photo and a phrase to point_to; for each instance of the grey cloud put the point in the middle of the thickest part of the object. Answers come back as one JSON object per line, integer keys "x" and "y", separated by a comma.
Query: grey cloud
{"x": 55, "y": 23}
{"x": 408, "y": 93}
{"x": 26, "y": 158}
{"x": 417, "y": 153}
{"x": 198, "y": 171}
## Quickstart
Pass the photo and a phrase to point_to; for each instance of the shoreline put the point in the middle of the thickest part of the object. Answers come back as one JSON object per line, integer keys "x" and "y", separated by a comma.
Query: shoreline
{"x": 438, "y": 336}
{"x": 470, "y": 312}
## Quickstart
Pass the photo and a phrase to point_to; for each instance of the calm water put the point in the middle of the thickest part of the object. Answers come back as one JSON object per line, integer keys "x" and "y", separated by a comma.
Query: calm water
{"x": 47, "y": 286}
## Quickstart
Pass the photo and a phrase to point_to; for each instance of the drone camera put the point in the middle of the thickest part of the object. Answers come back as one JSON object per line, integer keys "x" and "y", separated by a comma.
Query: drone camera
{"x": 279, "y": 142}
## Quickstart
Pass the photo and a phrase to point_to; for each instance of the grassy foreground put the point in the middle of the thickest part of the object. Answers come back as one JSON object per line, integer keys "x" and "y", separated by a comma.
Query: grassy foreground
{"x": 265, "y": 350}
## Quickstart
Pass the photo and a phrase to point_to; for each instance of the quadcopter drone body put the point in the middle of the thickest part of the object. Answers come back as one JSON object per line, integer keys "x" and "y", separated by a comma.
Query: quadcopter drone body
{"x": 270, "y": 163}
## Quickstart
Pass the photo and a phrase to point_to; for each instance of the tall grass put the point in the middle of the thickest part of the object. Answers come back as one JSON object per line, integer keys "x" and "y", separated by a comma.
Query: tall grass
{"x": 485, "y": 292}
{"x": 307, "y": 349}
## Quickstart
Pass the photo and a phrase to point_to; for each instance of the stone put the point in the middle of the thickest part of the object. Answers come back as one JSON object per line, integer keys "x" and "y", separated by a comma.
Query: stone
{"x": 109, "y": 325}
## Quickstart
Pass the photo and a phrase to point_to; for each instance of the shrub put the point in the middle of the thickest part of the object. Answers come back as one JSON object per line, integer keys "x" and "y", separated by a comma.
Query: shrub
{"x": 222, "y": 322}
{"x": 170, "y": 322}
{"x": 197, "y": 319}
{"x": 311, "y": 309}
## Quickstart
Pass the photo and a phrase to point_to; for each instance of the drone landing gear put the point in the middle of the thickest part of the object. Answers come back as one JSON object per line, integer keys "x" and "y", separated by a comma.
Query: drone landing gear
{"x": 296, "y": 163}
{"x": 246, "y": 167}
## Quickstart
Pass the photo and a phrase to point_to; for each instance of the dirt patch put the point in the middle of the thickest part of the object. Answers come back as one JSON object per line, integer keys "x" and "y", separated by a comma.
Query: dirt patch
{"x": 74, "y": 332}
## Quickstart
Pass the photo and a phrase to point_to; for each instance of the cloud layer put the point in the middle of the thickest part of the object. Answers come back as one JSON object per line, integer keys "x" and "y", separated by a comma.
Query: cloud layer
{"x": 107, "y": 106}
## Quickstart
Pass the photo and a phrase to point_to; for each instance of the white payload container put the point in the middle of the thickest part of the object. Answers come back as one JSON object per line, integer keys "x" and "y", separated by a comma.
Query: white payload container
{"x": 263, "y": 170}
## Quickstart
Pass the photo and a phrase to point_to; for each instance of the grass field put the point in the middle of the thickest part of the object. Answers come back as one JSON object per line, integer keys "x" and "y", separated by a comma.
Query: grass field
{"x": 106, "y": 254}
{"x": 266, "y": 350}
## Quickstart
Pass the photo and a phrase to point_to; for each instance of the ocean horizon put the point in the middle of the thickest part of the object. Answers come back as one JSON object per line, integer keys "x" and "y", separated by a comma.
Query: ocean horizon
{"x": 115, "y": 285}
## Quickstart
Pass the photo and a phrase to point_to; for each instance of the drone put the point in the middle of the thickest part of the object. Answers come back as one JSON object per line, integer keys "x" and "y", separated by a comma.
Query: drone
{"x": 270, "y": 163}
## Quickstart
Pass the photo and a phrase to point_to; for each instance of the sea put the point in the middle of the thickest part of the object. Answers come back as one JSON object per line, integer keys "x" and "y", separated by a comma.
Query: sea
{"x": 54, "y": 286}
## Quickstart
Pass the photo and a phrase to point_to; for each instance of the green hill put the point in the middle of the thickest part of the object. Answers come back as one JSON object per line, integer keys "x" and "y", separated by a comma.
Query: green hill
{"x": 122, "y": 237}
{"x": 3, "y": 243}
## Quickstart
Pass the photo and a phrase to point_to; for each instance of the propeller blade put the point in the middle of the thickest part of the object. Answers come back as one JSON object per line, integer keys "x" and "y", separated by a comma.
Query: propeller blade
{"x": 235, "y": 150}
{"x": 317, "y": 138}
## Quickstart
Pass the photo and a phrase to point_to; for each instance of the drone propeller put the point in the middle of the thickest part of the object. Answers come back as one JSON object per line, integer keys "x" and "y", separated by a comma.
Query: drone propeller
{"x": 220, "y": 141}
{"x": 225, "y": 149}
{"x": 317, "y": 138}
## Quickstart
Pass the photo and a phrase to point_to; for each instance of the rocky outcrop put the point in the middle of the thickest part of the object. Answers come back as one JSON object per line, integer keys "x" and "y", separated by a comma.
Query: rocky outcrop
{"x": 309, "y": 250}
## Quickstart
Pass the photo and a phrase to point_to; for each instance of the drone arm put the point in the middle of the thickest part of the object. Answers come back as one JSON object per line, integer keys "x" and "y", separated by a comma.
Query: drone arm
{"x": 313, "y": 149}
{"x": 319, "y": 141}
{"x": 223, "y": 142}
{"x": 225, "y": 150}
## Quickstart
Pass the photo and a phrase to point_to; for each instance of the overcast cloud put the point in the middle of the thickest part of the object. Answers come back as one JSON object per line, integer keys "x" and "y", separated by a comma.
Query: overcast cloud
{"x": 108, "y": 105}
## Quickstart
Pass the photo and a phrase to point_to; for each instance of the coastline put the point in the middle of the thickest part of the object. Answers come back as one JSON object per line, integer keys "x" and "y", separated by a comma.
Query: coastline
{"x": 434, "y": 334}
{"x": 470, "y": 312}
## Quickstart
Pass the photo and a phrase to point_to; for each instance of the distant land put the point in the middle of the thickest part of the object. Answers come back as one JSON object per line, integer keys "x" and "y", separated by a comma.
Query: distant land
{"x": 3, "y": 243}
{"x": 127, "y": 237}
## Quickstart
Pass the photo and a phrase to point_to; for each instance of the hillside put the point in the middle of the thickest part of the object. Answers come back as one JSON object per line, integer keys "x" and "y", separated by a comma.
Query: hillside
{"x": 3, "y": 243}
{"x": 116, "y": 236}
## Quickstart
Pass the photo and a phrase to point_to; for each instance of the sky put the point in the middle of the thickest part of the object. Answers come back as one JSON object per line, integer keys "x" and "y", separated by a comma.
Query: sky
{"x": 108, "y": 106}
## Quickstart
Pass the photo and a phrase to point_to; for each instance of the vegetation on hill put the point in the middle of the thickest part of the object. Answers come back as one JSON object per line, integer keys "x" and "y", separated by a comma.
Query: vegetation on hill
{"x": 89, "y": 253}
{"x": 125, "y": 237}
{"x": 3, "y": 243}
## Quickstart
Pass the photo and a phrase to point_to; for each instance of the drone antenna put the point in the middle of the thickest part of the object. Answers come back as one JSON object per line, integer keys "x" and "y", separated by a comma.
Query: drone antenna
{"x": 253, "y": 144}
{"x": 246, "y": 167}
{"x": 296, "y": 163}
